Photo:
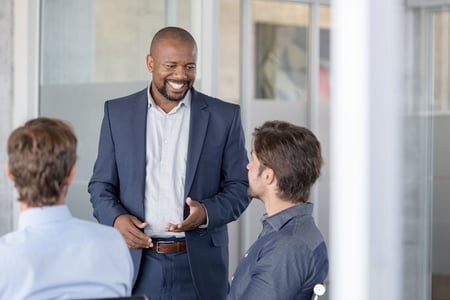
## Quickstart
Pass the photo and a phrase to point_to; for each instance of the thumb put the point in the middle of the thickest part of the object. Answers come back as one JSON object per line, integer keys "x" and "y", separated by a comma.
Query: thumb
{"x": 141, "y": 225}
{"x": 138, "y": 223}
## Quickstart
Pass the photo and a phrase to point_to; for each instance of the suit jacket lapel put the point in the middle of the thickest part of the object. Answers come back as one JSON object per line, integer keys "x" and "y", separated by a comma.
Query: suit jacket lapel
{"x": 197, "y": 132}
{"x": 138, "y": 121}
{"x": 138, "y": 131}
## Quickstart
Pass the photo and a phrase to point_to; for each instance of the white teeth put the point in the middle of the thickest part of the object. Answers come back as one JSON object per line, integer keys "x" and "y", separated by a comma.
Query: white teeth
{"x": 176, "y": 86}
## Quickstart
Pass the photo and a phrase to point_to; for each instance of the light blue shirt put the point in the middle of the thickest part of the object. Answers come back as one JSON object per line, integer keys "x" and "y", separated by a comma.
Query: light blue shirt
{"x": 167, "y": 146}
{"x": 55, "y": 256}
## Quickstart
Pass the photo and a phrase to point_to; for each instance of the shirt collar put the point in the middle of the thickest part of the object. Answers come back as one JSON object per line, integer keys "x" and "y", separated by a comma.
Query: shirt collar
{"x": 186, "y": 101}
{"x": 278, "y": 220}
{"x": 43, "y": 215}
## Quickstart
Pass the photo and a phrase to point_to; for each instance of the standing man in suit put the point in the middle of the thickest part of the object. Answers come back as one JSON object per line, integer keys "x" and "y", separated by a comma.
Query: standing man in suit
{"x": 171, "y": 174}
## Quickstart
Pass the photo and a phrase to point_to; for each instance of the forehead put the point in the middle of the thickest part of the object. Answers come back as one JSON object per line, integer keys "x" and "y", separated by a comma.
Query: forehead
{"x": 169, "y": 48}
{"x": 253, "y": 155}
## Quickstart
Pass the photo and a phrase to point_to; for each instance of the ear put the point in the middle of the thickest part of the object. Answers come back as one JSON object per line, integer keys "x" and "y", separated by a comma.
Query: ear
{"x": 69, "y": 178}
{"x": 8, "y": 172}
{"x": 149, "y": 63}
{"x": 269, "y": 175}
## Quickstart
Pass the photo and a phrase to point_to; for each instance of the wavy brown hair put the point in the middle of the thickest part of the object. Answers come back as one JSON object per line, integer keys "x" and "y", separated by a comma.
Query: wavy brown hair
{"x": 293, "y": 153}
{"x": 41, "y": 154}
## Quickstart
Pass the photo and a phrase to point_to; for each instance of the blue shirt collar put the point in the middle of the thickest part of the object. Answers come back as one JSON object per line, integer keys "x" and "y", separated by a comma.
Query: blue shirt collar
{"x": 43, "y": 215}
{"x": 278, "y": 220}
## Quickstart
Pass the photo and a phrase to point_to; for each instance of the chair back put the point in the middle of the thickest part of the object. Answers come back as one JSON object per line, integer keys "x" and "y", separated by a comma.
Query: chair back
{"x": 121, "y": 298}
{"x": 318, "y": 291}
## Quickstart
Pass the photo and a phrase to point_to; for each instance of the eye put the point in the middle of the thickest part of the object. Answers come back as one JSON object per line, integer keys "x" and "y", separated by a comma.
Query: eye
{"x": 170, "y": 66}
{"x": 190, "y": 67}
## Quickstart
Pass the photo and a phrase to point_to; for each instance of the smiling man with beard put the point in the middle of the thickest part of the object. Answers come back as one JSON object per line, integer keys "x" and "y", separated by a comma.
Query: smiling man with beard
{"x": 171, "y": 174}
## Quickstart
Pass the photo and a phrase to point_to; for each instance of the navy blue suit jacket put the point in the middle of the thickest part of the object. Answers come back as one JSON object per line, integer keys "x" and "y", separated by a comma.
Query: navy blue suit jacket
{"x": 216, "y": 176}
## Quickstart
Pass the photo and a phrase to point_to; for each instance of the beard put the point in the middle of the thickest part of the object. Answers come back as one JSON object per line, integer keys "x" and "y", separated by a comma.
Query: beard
{"x": 163, "y": 91}
{"x": 252, "y": 193}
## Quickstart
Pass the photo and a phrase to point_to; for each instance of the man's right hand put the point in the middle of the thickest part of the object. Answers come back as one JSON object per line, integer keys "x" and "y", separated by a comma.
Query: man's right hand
{"x": 130, "y": 228}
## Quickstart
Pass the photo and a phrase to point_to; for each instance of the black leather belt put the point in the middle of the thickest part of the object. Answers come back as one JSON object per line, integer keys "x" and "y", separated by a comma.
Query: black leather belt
{"x": 169, "y": 246}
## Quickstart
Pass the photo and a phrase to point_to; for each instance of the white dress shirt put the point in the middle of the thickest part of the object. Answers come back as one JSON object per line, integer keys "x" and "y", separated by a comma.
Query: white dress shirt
{"x": 167, "y": 144}
{"x": 55, "y": 256}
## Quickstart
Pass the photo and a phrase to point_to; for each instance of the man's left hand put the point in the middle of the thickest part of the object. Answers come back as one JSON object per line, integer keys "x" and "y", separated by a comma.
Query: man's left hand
{"x": 197, "y": 217}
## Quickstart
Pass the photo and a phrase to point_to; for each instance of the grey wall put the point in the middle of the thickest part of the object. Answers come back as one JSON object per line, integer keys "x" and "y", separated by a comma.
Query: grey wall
{"x": 6, "y": 100}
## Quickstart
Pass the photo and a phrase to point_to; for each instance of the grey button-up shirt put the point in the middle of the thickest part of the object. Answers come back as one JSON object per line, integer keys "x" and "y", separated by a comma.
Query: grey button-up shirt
{"x": 286, "y": 261}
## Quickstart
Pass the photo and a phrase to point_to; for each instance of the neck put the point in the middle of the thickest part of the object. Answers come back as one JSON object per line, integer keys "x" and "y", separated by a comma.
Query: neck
{"x": 165, "y": 104}
{"x": 24, "y": 206}
{"x": 274, "y": 205}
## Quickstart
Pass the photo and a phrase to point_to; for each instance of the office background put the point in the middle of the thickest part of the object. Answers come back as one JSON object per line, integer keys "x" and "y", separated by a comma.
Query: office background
{"x": 370, "y": 78}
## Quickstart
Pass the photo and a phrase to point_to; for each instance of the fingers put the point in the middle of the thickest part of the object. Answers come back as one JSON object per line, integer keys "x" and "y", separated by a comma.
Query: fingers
{"x": 174, "y": 227}
{"x": 130, "y": 228}
{"x": 197, "y": 217}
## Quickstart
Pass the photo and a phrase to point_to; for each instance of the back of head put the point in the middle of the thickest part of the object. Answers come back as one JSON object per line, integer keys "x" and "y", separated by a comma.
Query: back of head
{"x": 172, "y": 32}
{"x": 294, "y": 153}
{"x": 41, "y": 154}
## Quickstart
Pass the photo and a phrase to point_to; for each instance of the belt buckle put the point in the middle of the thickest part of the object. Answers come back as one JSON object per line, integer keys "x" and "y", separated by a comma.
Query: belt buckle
{"x": 161, "y": 243}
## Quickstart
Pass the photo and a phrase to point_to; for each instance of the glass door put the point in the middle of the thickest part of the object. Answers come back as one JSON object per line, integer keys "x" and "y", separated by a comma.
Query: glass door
{"x": 92, "y": 51}
{"x": 286, "y": 69}
{"x": 440, "y": 24}
{"x": 428, "y": 165}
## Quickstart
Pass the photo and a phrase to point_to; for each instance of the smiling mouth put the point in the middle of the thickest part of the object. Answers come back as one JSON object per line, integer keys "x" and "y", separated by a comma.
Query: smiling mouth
{"x": 176, "y": 85}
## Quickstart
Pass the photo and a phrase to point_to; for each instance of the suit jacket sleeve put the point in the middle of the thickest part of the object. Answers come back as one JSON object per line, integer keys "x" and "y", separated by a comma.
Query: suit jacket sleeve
{"x": 104, "y": 184}
{"x": 231, "y": 197}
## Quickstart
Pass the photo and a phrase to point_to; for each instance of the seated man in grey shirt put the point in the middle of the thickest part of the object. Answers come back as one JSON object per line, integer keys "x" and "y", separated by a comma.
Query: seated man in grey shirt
{"x": 290, "y": 256}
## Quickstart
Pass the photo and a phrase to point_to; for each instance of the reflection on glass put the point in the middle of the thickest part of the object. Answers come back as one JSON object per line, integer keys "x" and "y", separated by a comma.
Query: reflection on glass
{"x": 282, "y": 51}
{"x": 281, "y": 62}
{"x": 441, "y": 95}
{"x": 229, "y": 58}
{"x": 324, "y": 49}
{"x": 281, "y": 44}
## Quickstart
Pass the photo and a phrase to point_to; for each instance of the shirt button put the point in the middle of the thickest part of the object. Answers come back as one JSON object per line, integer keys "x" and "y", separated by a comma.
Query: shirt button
{"x": 232, "y": 277}
{"x": 246, "y": 254}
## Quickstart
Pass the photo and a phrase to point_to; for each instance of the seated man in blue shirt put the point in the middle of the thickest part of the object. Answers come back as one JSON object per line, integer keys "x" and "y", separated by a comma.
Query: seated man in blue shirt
{"x": 53, "y": 255}
{"x": 290, "y": 256}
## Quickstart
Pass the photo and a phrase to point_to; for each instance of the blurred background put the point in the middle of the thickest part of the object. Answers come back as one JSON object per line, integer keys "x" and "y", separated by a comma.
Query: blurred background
{"x": 369, "y": 78}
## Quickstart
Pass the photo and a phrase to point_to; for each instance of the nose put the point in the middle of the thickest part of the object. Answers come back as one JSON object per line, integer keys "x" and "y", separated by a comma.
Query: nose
{"x": 248, "y": 166}
{"x": 180, "y": 72}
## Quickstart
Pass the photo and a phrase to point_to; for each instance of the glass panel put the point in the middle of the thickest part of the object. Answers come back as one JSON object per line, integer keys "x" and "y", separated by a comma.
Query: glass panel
{"x": 441, "y": 160}
{"x": 323, "y": 120}
{"x": 279, "y": 44}
{"x": 427, "y": 164}
{"x": 417, "y": 157}
{"x": 441, "y": 43}
{"x": 281, "y": 50}
{"x": 228, "y": 89}
{"x": 229, "y": 56}
{"x": 324, "y": 48}
{"x": 92, "y": 51}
